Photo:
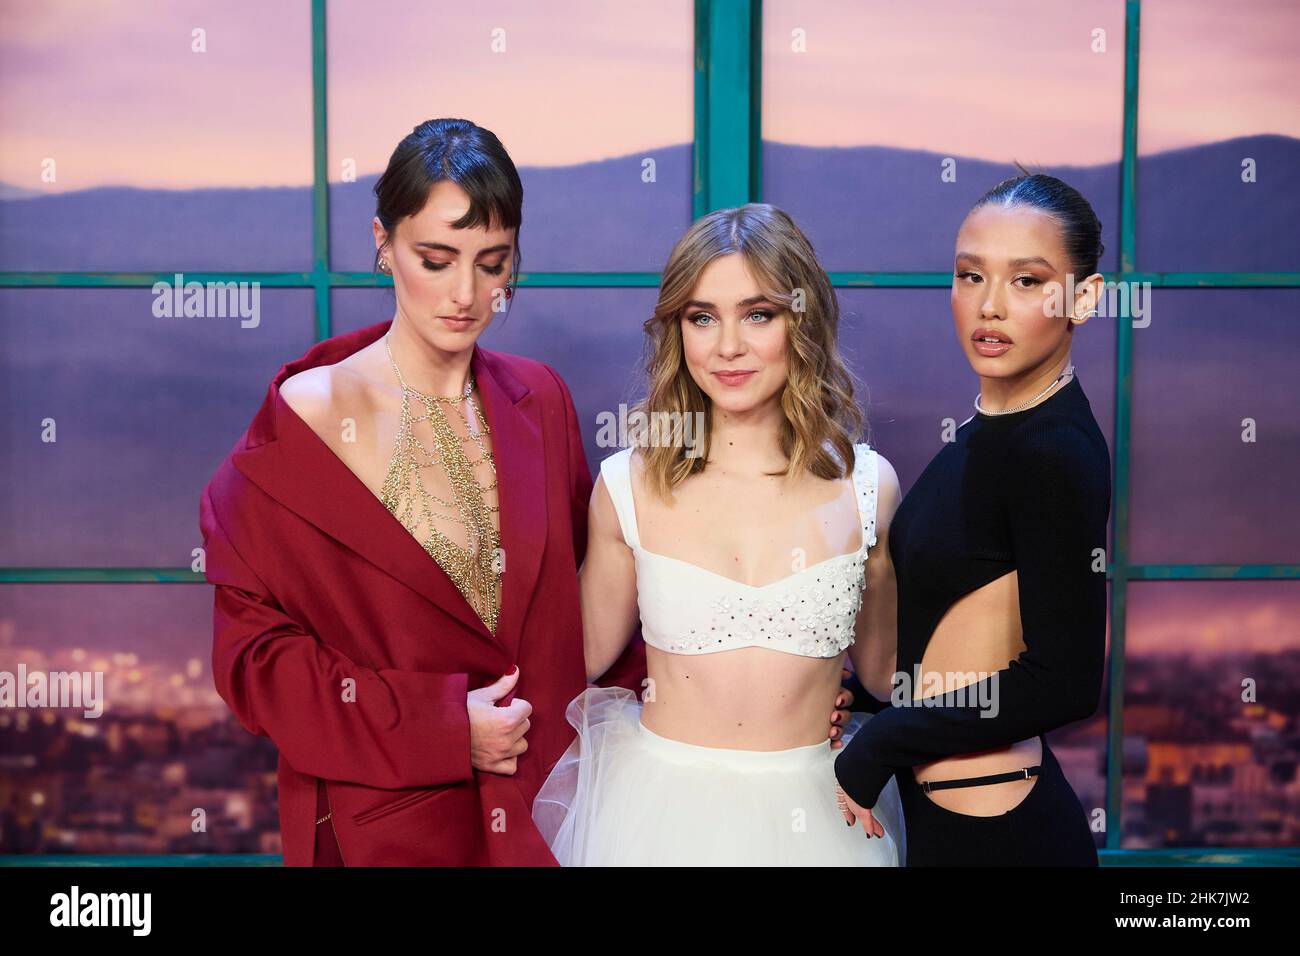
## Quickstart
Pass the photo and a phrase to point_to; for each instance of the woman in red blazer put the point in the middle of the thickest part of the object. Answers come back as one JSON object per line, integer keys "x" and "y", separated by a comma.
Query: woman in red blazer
{"x": 336, "y": 634}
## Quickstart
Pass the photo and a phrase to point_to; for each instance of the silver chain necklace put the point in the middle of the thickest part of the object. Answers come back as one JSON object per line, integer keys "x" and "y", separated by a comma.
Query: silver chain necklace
{"x": 1069, "y": 371}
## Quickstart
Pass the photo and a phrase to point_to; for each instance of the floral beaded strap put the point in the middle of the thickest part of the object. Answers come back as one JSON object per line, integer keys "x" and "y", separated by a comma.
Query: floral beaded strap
{"x": 865, "y": 475}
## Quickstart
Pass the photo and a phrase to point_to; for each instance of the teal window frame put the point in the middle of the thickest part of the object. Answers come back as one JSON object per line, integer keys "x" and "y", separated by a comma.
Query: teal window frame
{"x": 727, "y": 171}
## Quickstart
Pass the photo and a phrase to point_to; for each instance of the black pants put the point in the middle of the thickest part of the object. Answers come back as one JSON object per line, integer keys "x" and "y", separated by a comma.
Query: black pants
{"x": 1047, "y": 828}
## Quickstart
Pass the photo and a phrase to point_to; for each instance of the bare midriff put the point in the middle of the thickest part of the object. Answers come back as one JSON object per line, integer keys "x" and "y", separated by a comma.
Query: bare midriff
{"x": 747, "y": 698}
{"x": 978, "y": 635}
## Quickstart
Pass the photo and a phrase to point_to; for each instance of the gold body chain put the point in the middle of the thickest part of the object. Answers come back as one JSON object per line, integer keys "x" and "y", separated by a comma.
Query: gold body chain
{"x": 476, "y": 570}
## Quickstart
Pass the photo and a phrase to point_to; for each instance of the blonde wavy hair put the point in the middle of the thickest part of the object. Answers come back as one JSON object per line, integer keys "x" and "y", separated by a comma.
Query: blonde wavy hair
{"x": 821, "y": 417}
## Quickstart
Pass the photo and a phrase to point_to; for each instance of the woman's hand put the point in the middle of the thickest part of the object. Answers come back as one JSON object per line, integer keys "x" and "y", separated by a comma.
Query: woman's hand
{"x": 854, "y": 812}
{"x": 841, "y": 714}
{"x": 496, "y": 734}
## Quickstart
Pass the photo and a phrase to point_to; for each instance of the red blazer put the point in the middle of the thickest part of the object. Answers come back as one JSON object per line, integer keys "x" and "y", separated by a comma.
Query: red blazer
{"x": 316, "y": 582}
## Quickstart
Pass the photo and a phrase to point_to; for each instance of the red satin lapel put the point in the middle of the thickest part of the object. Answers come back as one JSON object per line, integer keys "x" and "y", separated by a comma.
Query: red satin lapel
{"x": 513, "y": 416}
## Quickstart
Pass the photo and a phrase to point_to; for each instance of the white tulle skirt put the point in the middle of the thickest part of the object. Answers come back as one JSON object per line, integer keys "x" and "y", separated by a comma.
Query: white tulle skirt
{"x": 622, "y": 795}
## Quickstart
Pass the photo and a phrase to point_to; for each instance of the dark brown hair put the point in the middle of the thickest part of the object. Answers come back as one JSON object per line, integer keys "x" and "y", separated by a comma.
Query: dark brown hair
{"x": 466, "y": 154}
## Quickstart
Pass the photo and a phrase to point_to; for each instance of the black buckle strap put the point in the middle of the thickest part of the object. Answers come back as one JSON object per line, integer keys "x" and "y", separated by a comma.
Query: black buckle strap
{"x": 1023, "y": 774}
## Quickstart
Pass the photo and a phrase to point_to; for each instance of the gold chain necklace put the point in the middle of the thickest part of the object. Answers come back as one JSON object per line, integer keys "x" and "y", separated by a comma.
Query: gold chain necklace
{"x": 474, "y": 570}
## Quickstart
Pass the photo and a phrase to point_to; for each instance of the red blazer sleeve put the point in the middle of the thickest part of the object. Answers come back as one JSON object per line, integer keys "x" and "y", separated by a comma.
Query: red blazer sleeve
{"x": 404, "y": 729}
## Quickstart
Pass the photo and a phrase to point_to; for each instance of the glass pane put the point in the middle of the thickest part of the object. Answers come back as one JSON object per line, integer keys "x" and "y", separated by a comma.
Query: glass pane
{"x": 126, "y": 776}
{"x": 580, "y": 93}
{"x": 1211, "y": 701}
{"x": 140, "y": 410}
{"x": 901, "y": 345}
{"x": 1217, "y": 107}
{"x": 1215, "y": 433}
{"x": 155, "y": 136}
{"x": 352, "y": 309}
{"x": 591, "y": 337}
{"x": 866, "y": 106}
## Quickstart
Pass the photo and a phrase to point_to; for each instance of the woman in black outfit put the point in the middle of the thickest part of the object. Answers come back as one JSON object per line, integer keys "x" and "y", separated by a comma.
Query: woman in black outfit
{"x": 999, "y": 552}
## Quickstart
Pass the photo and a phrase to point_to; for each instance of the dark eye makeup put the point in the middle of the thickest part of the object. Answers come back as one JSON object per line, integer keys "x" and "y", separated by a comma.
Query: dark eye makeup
{"x": 439, "y": 266}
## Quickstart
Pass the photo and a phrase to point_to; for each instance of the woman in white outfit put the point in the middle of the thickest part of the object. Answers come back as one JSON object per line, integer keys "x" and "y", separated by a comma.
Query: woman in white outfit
{"x": 748, "y": 548}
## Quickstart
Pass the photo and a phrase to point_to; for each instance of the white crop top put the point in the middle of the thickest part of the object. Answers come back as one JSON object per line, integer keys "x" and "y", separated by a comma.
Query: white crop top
{"x": 686, "y": 609}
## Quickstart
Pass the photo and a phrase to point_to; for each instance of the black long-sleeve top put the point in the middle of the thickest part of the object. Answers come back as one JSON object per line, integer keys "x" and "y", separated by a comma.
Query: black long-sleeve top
{"x": 1029, "y": 492}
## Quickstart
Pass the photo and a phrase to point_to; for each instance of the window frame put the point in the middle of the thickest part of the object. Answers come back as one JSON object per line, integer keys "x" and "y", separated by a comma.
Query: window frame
{"x": 728, "y": 172}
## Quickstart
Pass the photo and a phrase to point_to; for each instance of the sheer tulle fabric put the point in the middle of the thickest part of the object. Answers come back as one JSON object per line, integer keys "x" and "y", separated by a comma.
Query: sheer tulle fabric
{"x": 624, "y": 796}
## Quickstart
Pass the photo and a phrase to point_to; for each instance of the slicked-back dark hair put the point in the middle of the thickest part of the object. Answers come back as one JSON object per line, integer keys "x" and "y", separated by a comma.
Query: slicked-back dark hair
{"x": 461, "y": 152}
{"x": 1080, "y": 227}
